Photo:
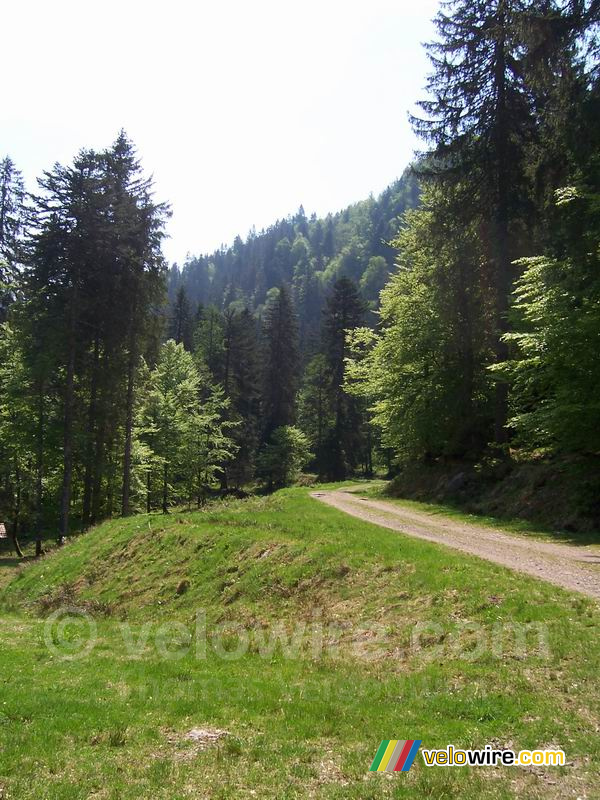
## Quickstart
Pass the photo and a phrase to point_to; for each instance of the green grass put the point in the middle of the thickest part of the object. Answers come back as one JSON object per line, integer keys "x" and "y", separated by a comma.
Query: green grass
{"x": 113, "y": 724}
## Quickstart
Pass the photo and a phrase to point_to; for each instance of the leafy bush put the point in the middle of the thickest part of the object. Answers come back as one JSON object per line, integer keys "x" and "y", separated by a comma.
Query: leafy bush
{"x": 282, "y": 458}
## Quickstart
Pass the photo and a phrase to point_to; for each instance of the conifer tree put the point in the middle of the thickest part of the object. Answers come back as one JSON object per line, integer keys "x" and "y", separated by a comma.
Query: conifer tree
{"x": 242, "y": 388}
{"x": 344, "y": 312}
{"x": 12, "y": 224}
{"x": 280, "y": 363}
{"x": 315, "y": 412}
{"x": 480, "y": 120}
{"x": 138, "y": 230}
{"x": 181, "y": 324}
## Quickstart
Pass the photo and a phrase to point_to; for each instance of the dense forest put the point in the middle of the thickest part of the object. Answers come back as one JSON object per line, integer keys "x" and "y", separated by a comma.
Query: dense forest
{"x": 456, "y": 316}
{"x": 306, "y": 254}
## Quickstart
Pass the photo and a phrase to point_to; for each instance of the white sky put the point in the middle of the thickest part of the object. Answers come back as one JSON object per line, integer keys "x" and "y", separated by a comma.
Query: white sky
{"x": 241, "y": 110}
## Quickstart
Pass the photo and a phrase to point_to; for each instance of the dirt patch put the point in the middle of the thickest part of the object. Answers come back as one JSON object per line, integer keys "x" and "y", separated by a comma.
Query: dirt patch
{"x": 68, "y": 594}
{"x": 205, "y": 737}
{"x": 186, "y": 746}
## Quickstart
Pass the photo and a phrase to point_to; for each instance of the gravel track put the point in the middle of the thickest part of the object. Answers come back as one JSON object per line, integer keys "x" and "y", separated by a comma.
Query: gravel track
{"x": 572, "y": 567}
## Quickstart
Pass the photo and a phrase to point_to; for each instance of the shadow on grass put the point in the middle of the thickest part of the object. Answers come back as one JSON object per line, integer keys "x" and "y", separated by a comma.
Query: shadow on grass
{"x": 10, "y": 561}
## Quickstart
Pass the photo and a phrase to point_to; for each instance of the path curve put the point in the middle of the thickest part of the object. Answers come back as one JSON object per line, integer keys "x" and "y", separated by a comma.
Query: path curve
{"x": 572, "y": 567}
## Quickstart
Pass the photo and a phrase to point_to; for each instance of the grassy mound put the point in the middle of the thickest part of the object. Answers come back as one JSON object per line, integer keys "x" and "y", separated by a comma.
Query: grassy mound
{"x": 320, "y": 635}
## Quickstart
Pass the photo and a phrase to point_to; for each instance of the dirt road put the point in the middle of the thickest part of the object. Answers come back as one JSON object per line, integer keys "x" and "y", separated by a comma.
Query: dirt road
{"x": 573, "y": 567}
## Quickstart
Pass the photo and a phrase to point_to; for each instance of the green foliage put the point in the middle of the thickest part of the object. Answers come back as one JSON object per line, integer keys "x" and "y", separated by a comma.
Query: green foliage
{"x": 17, "y": 430}
{"x": 374, "y": 277}
{"x": 344, "y": 443}
{"x": 282, "y": 458}
{"x": 424, "y": 371}
{"x": 12, "y": 228}
{"x": 184, "y": 433}
{"x": 280, "y": 363}
{"x": 315, "y": 413}
{"x": 181, "y": 327}
{"x": 555, "y": 371}
{"x": 209, "y": 340}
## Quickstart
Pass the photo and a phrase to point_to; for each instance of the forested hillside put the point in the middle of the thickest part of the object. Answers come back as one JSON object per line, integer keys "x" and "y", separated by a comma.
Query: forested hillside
{"x": 306, "y": 254}
{"x": 126, "y": 386}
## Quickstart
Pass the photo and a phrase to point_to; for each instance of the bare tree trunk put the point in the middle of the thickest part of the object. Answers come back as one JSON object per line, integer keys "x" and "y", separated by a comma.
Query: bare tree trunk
{"x": 149, "y": 491}
{"x": 16, "y": 545}
{"x": 92, "y": 418}
{"x": 501, "y": 222}
{"x": 98, "y": 471}
{"x": 165, "y": 501}
{"x": 369, "y": 454}
{"x": 39, "y": 473}
{"x": 17, "y": 511}
{"x": 126, "y": 498}
{"x": 65, "y": 504}
{"x": 111, "y": 472}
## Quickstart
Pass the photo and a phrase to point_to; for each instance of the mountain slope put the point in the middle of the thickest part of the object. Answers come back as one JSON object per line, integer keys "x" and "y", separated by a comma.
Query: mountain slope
{"x": 309, "y": 254}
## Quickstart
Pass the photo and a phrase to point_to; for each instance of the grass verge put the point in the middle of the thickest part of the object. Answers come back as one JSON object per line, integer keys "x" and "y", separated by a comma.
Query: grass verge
{"x": 380, "y": 636}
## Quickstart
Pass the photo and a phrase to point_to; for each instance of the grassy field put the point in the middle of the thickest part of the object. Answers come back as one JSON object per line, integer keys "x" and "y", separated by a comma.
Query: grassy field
{"x": 385, "y": 637}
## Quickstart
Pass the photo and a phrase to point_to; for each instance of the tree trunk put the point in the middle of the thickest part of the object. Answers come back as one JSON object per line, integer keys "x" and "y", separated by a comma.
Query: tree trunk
{"x": 501, "y": 232}
{"x": 110, "y": 483}
{"x": 17, "y": 512}
{"x": 65, "y": 504}
{"x": 149, "y": 491}
{"x": 165, "y": 498}
{"x": 16, "y": 545}
{"x": 39, "y": 473}
{"x": 92, "y": 419}
{"x": 369, "y": 454}
{"x": 126, "y": 502}
{"x": 98, "y": 470}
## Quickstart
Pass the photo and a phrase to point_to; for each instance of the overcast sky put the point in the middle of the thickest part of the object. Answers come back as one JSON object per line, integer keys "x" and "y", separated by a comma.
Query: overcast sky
{"x": 241, "y": 110}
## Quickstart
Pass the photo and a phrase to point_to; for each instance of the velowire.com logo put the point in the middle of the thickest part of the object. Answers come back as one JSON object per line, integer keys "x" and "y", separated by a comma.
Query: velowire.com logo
{"x": 395, "y": 755}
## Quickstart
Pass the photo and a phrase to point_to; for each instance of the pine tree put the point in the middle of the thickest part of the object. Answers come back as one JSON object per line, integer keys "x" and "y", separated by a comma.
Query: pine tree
{"x": 315, "y": 412}
{"x": 138, "y": 230}
{"x": 93, "y": 283}
{"x": 280, "y": 363}
{"x": 181, "y": 323}
{"x": 62, "y": 263}
{"x": 209, "y": 340}
{"x": 12, "y": 223}
{"x": 242, "y": 388}
{"x": 480, "y": 120}
{"x": 345, "y": 311}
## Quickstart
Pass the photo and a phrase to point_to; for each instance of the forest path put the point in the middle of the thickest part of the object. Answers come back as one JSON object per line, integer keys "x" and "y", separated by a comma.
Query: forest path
{"x": 572, "y": 567}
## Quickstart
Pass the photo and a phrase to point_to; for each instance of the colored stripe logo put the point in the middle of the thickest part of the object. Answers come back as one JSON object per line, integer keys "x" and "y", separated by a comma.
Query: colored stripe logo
{"x": 395, "y": 755}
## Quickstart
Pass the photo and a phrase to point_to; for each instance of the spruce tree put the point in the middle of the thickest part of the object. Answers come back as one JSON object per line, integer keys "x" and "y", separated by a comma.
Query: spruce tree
{"x": 280, "y": 363}
{"x": 182, "y": 323}
{"x": 12, "y": 223}
{"x": 480, "y": 120}
{"x": 344, "y": 311}
{"x": 243, "y": 391}
{"x": 138, "y": 230}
